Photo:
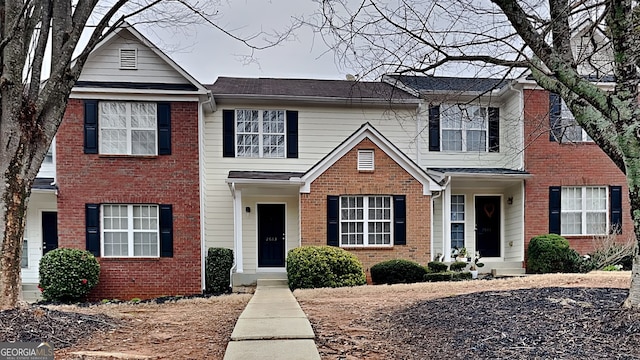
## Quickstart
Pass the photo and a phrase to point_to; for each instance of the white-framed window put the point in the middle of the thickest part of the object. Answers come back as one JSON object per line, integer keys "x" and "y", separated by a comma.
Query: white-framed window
{"x": 260, "y": 133}
{"x": 464, "y": 127}
{"x": 24, "y": 261}
{"x": 571, "y": 131}
{"x": 365, "y": 220}
{"x": 584, "y": 210}
{"x": 128, "y": 128}
{"x": 130, "y": 230}
{"x": 457, "y": 221}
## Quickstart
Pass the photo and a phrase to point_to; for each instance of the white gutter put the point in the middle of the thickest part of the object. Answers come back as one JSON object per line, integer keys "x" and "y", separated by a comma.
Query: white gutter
{"x": 235, "y": 254}
{"x": 433, "y": 205}
{"x": 201, "y": 165}
{"x": 418, "y": 131}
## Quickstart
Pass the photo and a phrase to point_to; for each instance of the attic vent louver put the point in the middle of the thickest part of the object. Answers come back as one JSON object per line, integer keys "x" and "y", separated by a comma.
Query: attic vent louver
{"x": 365, "y": 160}
{"x": 129, "y": 59}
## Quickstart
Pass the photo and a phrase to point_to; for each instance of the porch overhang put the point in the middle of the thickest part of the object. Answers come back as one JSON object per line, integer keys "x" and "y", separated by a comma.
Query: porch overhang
{"x": 264, "y": 178}
{"x": 493, "y": 174}
{"x": 44, "y": 185}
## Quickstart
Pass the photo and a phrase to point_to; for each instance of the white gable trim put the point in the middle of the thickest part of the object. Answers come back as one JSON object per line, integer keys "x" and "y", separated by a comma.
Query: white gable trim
{"x": 128, "y": 27}
{"x": 367, "y": 131}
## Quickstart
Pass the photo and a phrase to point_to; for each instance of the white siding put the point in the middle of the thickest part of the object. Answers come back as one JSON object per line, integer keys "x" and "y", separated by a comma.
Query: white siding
{"x": 38, "y": 203}
{"x": 510, "y": 152}
{"x": 513, "y": 224}
{"x": 104, "y": 64}
{"x": 320, "y": 130}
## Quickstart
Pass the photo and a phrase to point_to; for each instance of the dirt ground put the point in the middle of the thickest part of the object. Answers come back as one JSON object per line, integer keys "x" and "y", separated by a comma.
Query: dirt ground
{"x": 369, "y": 322}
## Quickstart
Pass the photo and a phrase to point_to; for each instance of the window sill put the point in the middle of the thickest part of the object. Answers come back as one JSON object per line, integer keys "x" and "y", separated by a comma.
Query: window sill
{"x": 116, "y": 156}
{"x": 131, "y": 258}
{"x": 367, "y": 247}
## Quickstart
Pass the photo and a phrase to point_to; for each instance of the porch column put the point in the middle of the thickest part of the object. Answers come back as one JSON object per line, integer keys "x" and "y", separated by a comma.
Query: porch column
{"x": 237, "y": 230}
{"x": 446, "y": 222}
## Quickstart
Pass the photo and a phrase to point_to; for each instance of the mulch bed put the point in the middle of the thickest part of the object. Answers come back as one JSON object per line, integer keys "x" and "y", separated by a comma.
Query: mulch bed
{"x": 60, "y": 328}
{"x": 543, "y": 323}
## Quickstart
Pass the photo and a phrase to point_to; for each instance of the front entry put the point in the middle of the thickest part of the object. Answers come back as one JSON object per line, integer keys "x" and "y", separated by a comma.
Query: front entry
{"x": 488, "y": 226}
{"x": 49, "y": 231}
{"x": 271, "y": 235}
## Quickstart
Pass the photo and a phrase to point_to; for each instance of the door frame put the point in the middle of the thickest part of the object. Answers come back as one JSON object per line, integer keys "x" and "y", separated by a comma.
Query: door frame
{"x": 475, "y": 226}
{"x": 257, "y": 239}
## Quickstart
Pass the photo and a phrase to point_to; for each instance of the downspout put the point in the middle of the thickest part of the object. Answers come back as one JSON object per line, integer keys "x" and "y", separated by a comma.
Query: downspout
{"x": 433, "y": 205}
{"x": 418, "y": 131}
{"x": 201, "y": 164}
{"x": 235, "y": 254}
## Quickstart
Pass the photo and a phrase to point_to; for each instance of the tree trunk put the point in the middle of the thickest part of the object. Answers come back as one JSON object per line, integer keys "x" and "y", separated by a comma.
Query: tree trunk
{"x": 633, "y": 301}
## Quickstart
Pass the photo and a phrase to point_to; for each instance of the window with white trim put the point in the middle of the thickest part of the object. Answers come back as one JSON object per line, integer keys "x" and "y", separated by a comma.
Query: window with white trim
{"x": 464, "y": 127}
{"x": 24, "y": 261}
{"x": 128, "y": 128}
{"x": 571, "y": 131}
{"x": 260, "y": 133}
{"x": 584, "y": 210}
{"x": 130, "y": 230}
{"x": 365, "y": 220}
{"x": 457, "y": 221}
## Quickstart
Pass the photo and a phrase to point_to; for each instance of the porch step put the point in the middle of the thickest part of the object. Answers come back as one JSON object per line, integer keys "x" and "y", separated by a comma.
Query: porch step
{"x": 31, "y": 293}
{"x": 273, "y": 282}
{"x": 497, "y": 272}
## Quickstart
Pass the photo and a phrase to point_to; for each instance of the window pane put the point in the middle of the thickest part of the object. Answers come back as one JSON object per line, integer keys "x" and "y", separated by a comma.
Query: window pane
{"x": 113, "y": 141}
{"x": 596, "y": 198}
{"x": 143, "y": 115}
{"x": 24, "y": 261}
{"x": 145, "y": 244}
{"x": 571, "y": 223}
{"x": 596, "y": 223}
{"x": 476, "y": 117}
{"x": 457, "y": 207}
{"x": 115, "y": 244}
{"x": 451, "y": 117}
{"x": 571, "y": 198}
{"x": 452, "y": 140}
{"x": 143, "y": 142}
{"x": 457, "y": 235}
{"x": 113, "y": 115}
{"x": 476, "y": 140}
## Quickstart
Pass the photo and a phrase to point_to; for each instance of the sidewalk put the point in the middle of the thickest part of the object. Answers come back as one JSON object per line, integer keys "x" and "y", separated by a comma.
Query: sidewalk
{"x": 272, "y": 326}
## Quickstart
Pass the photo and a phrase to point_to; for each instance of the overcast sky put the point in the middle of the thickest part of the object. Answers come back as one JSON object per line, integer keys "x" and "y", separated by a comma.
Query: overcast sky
{"x": 207, "y": 53}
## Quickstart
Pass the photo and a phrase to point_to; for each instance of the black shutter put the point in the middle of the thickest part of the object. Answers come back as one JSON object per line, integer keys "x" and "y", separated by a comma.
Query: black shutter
{"x": 164, "y": 129}
{"x": 554, "y": 209}
{"x": 434, "y": 128}
{"x": 166, "y": 231}
{"x": 494, "y": 129}
{"x": 92, "y": 220}
{"x": 228, "y": 133}
{"x": 333, "y": 220}
{"x": 555, "y": 125}
{"x": 615, "y": 196}
{"x": 399, "y": 220}
{"x": 292, "y": 134}
{"x": 91, "y": 126}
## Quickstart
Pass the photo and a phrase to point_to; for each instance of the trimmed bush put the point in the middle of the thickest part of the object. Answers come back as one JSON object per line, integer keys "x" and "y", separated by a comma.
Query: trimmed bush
{"x": 397, "y": 271}
{"x": 458, "y": 266}
{"x": 551, "y": 254}
{"x": 437, "y": 266}
{"x": 67, "y": 275}
{"x": 323, "y": 266}
{"x": 460, "y": 276}
{"x": 217, "y": 270}
{"x": 438, "y": 276}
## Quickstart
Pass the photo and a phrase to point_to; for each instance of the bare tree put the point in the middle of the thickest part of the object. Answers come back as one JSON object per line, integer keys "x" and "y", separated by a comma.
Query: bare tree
{"x": 31, "y": 110}
{"x": 505, "y": 37}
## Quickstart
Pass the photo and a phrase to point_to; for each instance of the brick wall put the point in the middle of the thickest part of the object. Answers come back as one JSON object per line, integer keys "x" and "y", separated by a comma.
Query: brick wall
{"x": 167, "y": 179}
{"x": 389, "y": 178}
{"x": 567, "y": 164}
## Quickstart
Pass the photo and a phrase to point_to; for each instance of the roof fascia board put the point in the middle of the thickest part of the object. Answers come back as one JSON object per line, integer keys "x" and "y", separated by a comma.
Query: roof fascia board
{"x": 128, "y": 96}
{"x": 315, "y": 100}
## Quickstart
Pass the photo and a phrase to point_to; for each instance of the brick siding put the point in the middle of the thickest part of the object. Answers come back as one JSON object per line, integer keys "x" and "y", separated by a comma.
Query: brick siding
{"x": 388, "y": 178}
{"x": 167, "y": 179}
{"x": 567, "y": 164}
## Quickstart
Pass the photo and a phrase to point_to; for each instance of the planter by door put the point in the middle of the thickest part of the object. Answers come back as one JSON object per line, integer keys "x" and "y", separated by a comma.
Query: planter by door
{"x": 488, "y": 226}
{"x": 271, "y": 235}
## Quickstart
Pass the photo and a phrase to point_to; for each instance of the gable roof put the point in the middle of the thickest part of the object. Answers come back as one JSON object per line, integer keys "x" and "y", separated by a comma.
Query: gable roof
{"x": 445, "y": 84}
{"x": 334, "y": 91}
{"x": 367, "y": 131}
{"x": 128, "y": 28}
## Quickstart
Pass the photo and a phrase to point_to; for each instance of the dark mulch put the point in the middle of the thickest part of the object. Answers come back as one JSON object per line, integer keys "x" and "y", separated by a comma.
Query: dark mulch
{"x": 60, "y": 328}
{"x": 544, "y": 323}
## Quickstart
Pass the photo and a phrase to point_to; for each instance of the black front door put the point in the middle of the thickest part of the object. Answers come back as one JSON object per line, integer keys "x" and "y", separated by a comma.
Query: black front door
{"x": 488, "y": 226}
{"x": 271, "y": 235}
{"x": 49, "y": 231}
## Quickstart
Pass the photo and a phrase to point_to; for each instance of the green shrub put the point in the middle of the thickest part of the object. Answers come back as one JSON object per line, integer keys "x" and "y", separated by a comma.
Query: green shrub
{"x": 217, "y": 270}
{"x": 458, "y": 266}
{"x": 612, "y": 268}
{"x": 459, "y": 276}
{"x": 551, "y": 254}
{"x": 438, "y": 276}
{"x": 323, "y": 266}
{"x": 437, "y": 266}
{"x": 67, "y": 275}
{"x": 397, "y": 271}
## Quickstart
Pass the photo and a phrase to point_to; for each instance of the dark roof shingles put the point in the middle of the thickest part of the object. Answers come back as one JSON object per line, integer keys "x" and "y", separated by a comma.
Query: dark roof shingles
{"x": 457, "y": 84}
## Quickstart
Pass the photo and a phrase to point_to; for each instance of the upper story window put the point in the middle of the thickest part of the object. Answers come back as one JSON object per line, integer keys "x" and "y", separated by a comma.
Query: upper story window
{"x": 128, "y": 128}
{"x": 564, "y": 127}
{"x": 260, "y": 133}
{"x": 254, "y": 133}
{"x": 464, "y": 128}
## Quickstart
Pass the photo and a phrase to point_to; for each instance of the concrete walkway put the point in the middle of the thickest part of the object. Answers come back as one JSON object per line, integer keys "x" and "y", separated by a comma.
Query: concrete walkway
{"x": 272, "y": 326}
